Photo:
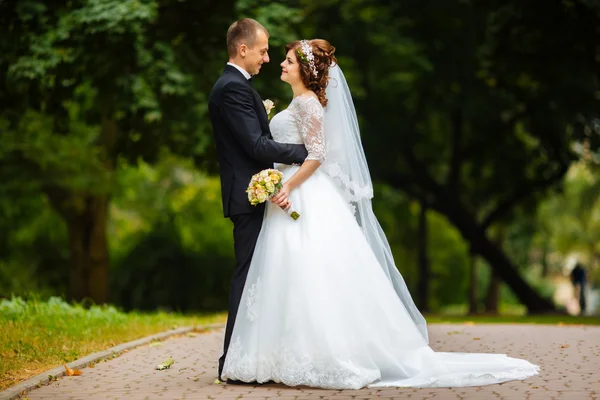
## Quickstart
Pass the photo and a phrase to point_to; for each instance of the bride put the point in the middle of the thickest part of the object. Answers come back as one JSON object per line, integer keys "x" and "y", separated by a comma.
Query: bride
{"x": 324, "y": 304}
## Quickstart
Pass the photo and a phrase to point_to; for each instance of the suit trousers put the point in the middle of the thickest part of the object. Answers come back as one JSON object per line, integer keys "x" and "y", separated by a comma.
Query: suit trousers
{"x": 246, "y": 228}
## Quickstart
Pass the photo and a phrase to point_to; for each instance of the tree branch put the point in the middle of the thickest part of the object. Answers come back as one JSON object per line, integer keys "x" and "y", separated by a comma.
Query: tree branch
{"x": 406, "y": 184}
{"x": 456, "y": 157}
{"x": 521, "y": 193}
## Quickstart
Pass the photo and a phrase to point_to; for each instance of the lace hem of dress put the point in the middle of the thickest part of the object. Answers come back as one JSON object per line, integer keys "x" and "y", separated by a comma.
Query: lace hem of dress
{"x": 251, "y": 300}
{"x": 282, "y": 365}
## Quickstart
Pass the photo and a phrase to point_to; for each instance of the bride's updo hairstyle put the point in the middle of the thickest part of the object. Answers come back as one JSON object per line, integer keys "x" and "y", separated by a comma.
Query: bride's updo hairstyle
{"x": 315, "y": 58}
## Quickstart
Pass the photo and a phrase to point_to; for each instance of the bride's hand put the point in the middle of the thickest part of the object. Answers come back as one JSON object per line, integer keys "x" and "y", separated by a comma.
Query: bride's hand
{"x": 282, "y": 198}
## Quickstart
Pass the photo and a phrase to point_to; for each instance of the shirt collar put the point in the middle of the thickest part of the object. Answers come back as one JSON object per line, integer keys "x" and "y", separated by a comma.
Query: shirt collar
{"x": 242, "y": 70}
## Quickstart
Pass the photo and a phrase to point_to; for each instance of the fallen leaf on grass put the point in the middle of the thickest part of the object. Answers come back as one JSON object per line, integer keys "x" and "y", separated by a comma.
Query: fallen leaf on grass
{"x": 165, "y": 364}
{"x": 72, "y": 372}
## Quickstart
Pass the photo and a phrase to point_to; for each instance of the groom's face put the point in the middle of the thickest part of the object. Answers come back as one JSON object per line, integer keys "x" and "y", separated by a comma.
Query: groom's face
{"x": 257, "y": 55}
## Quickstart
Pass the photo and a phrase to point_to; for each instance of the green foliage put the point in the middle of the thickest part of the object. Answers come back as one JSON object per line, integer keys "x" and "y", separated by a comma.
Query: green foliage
{"x": 447, "y": 251}
{"x": 279, "y": 17}
{"x": 87, "y": 84}
{"x": 133, "y": 62}
{"x": 468, "y": 106}
{"x": 449, "y": 258}
{"x": 170, "y": 245}
{"x": 570, "y": 221}
{"x": 33, "y": 246}
{"x": 172, "y": 248}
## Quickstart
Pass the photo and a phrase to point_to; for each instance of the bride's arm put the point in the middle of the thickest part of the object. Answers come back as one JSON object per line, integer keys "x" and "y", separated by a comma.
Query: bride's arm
{"x": 310, "y": 122}
{"x": 306, "y": 170}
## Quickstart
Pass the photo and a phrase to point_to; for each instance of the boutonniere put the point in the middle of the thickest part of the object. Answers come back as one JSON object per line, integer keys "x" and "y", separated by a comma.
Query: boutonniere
{"x": 269, "y": 105}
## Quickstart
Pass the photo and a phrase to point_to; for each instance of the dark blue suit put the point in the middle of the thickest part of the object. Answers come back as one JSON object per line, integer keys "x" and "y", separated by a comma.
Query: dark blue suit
{"x": 244, "y": 147}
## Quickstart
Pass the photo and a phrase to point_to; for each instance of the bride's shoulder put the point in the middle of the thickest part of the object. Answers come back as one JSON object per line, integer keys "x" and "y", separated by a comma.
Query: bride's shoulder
{"x": 309, "y": 96}
{"x": 307, "y": 100}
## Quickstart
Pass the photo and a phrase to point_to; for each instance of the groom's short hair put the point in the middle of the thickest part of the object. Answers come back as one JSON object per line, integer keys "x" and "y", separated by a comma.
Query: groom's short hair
{"x": 243, "y": 32}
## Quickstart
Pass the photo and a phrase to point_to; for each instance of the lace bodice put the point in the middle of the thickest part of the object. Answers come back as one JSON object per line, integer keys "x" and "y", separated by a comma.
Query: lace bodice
{"x": 301, "y": 123}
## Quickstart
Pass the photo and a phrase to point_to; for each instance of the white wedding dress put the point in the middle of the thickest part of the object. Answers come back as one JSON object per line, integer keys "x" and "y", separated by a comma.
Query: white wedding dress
{"x": 318, "y": 309}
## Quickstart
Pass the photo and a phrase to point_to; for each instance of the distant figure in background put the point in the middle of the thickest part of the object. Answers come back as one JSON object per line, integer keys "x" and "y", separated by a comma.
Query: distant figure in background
{"x": 578, "y": 280}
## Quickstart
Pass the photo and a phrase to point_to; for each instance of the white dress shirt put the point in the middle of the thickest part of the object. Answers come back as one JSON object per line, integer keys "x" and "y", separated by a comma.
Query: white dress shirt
{"x": 242, "y": 70}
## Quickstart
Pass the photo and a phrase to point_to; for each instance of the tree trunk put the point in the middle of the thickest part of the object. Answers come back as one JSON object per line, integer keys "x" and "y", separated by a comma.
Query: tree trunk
{"x": 544, "y": 260}
{"x": 473, "y": 283}
{"x": 86, "y": 218}
{"x": 89, "y": 261}
{"x": 482, "y": 245}
{"x": 493, "y": 292}
{"x": 424, "y": 267}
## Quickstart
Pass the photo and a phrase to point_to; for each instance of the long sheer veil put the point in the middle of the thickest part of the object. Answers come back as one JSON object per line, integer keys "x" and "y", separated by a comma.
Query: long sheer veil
{"x": 346, "y": 164}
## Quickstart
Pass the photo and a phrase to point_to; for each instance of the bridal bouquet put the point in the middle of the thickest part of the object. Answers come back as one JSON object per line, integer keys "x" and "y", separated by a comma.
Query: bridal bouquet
{"x": 264, "y": 185}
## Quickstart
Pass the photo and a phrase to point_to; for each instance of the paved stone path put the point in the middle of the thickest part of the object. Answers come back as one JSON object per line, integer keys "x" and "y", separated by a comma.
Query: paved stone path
{"x": 569, "y": 358}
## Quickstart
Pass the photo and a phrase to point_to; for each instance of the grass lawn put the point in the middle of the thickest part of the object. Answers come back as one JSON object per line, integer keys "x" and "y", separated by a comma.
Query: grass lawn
{"x": 513, "y": 319}
{"x": 36, "y": 336}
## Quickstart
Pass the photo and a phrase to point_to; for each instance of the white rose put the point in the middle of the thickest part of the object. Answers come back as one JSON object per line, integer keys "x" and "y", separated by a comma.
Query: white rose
{"x": 268, "y": 105}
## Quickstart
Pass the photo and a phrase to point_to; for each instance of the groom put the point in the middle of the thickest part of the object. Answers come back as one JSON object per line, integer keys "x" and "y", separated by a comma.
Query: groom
{"x": 244, "y": 147}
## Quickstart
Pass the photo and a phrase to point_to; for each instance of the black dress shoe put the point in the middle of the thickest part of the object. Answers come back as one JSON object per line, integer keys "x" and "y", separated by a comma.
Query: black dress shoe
{"x": 234, "y": 382}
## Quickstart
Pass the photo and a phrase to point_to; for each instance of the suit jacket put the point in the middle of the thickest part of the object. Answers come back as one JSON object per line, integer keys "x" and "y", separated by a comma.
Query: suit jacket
{"x": 244, "y": 142}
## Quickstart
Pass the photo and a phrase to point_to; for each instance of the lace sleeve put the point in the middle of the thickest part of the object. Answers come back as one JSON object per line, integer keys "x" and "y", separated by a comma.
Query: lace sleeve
{"x": 308, "y": 114}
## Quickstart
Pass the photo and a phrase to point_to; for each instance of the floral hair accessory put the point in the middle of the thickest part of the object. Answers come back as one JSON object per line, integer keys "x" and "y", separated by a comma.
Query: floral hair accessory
{"x": 306, "y": 56}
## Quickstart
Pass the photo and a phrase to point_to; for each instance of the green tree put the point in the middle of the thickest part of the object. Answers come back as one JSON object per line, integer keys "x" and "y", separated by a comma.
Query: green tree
{"x": 570, "y": 220}
{"x": 86, "y": 83}
{"x": 170, "y": 245}
{"x": 470, "y": 107}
